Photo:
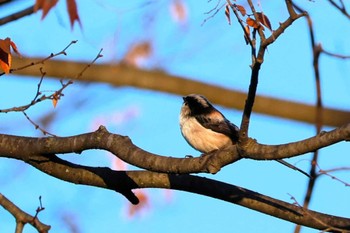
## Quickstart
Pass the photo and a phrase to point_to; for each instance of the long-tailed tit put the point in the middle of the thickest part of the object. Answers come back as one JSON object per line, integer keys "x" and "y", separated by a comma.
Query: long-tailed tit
{"x": 206, "y": 129}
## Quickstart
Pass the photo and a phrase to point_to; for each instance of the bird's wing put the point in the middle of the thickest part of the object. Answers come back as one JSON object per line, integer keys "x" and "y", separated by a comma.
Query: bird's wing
{"x": 219, "y": 124}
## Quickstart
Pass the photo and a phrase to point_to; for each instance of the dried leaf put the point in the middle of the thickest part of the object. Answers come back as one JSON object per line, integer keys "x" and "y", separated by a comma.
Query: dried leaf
{"x": 38, "y": 5}
{"x": 54, "y": 102}
{"x": 5, "y": 54}
{"x": 264, "y": 20}
{"x": 55, "y": 98}
{"x": 241, "y": 9}
{"x": 5, "y": 61}
{"x": 227, "y": 13}
{"x": 178, "y": 10}
{"x": 45, "y": 5}
{"x": 251, "y": 22}
{"x": 5, "y": 45}
{"x": 247, "y": 34}
{"x": 142, "y": 206}
{"x": 73, "y": 12}
{"x": 118, "y": 164}
{"x": 138, "y": 52}
{"x": 14, "y": 48}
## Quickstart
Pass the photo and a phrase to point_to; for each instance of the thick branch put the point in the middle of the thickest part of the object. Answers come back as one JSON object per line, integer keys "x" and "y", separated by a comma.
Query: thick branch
{"x": 261, "y": 152}
{"x": 40, "y": 153}
{"x": 121, "y": 146}
{"x": 120, "y": 180}
{"x": 121, "y": 75}
{"x": 24, "y": 148}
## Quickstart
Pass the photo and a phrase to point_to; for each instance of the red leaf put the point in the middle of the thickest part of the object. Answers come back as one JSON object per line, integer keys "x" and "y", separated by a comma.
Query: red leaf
{"x": 247, "y": 34}
{"x": 138, "y": 52}
{"x": 5, "y": 54}
{"x": 251, "y": 22}
{"x": 5, "y": 45}
{"x": 227, "y": 13}
{"x": 73, "y": 12}
{"x": 264, "y": 20}
{"x": 14, "y": 48}
{"x": 241, "y": 9}
{"x": 178, "y": 11}
{"x": 142, "y": 206}
{"x": 45, "y": 5}
{"x": 55, "y": 98}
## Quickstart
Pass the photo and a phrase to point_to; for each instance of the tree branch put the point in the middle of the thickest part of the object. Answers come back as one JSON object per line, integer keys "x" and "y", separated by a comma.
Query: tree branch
{"x": 122, "y": 75}
{"x": 22, "y": 217}
{"x": 121, "y": 181}
{"x": 262, "y": 152}
{"x": 17, "y": 15}
{"x": 123, "y": 148}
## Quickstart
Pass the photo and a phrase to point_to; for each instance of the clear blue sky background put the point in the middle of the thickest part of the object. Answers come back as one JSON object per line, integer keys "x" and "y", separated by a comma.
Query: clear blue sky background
{"x": 215, "y": 53}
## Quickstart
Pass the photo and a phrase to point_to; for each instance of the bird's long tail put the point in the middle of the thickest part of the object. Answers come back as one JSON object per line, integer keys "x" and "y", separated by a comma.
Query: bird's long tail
{"x": 292, "y": 167}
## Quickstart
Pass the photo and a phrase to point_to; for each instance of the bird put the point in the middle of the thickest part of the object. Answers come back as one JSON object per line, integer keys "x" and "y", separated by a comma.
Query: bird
{"x": 206, "y": 129}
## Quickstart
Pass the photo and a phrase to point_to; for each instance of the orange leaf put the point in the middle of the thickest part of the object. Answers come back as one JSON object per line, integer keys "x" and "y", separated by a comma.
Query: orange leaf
{"x": 251, "y": 22}
{"x": 142, "y": 206}
{"x": 38, "y": 5}
{"x": 54, "y": 102}
{"x": 73, "y": 12}
{"x": 178, "y": 10}
{"x": 264, "y": 20}
{"x": 55, "y": 98}
{"x": 5, "y": 62}
{"x": 138, "y": 52}
{"x": 227, "y": 13}
{"x": 241, "y": 9}
{"x": 45, "y": 5}
{"x": 14, "y": 48}
{"x": 247, "y": 34}
{"x": 5, "y": 45}
{"x": 5, "y": 54}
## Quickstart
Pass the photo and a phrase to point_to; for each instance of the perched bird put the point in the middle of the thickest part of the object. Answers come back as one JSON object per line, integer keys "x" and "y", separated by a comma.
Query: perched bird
{"x": 206, "y": 129}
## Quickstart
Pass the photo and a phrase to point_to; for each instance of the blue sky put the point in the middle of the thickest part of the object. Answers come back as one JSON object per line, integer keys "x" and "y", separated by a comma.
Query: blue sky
{"x": 215, "y": 53}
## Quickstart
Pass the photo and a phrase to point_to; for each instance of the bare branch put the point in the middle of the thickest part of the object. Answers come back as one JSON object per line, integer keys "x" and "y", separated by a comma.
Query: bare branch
{"x": 22, "y": 217}
{"x": 283, "y": 26}
{"x": 122, "y": 181}
{"x": 341, "y": 7}
{"x": 17, "y": 15}
{"x": 123, "y": 148}
{"x": 161, "y": 81}
{"x": 42, "y": 61}
{"x": 56, "y": 95}
{"x": 37, "y": 126}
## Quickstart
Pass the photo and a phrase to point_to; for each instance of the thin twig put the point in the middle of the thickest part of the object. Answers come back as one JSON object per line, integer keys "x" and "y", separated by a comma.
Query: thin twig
{"x": 327, "y": 173}
{"x": 335, "y": 55}
{"x": 329, "y": 228}
{"x": 52, "y": 55}
{"x": 56, "y": 95}
{"x": 241, "y": 23}
{"x": 316, "y": 49}
{"x": 80, "y": 74}
{"x": 45, "y": 132}
{"x": 22, "y": 217}
{"x": 340, "y": 7}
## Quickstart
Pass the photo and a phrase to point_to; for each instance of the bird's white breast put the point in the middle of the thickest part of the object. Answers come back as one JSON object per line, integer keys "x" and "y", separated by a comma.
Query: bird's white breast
{"x": 201, "y": 138}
